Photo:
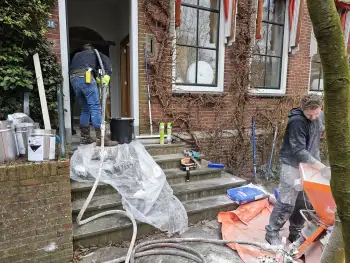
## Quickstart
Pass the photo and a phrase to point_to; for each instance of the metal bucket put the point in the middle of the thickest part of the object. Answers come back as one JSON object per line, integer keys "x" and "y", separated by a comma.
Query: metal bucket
{"x": 41, "y": 145}
{"x": 8, "y": 143}
{"x": 22, "y": 132}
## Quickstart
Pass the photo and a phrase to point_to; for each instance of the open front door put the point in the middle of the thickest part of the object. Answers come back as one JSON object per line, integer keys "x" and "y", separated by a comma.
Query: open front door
{"x": 125, "y": 77}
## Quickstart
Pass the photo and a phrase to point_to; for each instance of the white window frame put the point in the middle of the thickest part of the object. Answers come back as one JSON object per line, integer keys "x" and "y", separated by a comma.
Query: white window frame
{"x": 221, "y": 60}
{"x": 284, "y": 64}
{"x": 313, "y": 42}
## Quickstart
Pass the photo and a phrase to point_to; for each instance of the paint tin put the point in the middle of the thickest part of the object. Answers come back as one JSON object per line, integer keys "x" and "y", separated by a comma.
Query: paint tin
{"x": 161, "y": 133}
{"x": 22, "y": 131}
{"x": 41, "y": 145}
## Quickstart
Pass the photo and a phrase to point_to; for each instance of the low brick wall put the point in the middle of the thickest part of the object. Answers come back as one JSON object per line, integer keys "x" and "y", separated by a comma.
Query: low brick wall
{"x": 35, "y": 213}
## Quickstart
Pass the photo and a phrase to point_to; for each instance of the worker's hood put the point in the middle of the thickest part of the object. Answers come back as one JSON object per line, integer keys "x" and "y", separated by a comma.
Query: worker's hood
{"x": 296, "y": 112}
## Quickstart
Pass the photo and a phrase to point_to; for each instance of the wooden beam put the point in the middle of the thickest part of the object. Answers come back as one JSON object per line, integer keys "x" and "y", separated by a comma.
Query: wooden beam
{"x": 39, "y": 79}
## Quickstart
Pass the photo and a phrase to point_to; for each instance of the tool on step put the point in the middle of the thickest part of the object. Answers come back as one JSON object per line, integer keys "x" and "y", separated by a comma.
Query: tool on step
{"x": 271, "y": 155}
{"x": 148, "y": 91}
{"x": 254, "y": 146}
{"x": 191, "y": 153}
{"x": 216, "y": 165}
{"x": 195, "y": 156}
{"x": 188, "y": 164}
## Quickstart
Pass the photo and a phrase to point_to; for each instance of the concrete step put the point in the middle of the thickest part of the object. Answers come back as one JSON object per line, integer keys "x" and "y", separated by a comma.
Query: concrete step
{"x": 153, "y": 149}
{"x": 169, "y": 161}
{"x": 165, "y": 149}
{"x": 117, "y": 229}
{"x": 185, "y": 191}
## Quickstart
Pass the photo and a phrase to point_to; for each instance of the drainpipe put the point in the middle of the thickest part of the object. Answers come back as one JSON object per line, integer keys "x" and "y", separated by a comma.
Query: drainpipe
{"x": 61, "y": 121}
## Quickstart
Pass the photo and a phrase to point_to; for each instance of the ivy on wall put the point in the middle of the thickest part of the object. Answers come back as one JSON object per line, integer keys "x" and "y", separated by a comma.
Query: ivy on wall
{"x": 23, "y": 25}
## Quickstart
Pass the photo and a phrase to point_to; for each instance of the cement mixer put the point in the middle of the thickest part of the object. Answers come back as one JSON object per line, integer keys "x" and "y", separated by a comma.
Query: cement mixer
{"x": 318, "y": 190}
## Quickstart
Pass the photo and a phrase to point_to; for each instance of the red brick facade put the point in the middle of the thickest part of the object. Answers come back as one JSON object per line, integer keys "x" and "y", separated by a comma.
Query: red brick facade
{"x": 36, "y": 217}
{"x": 297, "y": 76}
{"x": 297, "y": 79}
{"x": 53, "y": 34}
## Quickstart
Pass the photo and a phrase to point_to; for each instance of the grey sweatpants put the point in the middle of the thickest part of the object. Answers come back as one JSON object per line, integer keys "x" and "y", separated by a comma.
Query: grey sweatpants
{"x": 288, "y": 205}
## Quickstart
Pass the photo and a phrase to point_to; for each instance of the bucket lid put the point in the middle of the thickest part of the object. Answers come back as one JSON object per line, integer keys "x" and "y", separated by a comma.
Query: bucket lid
{"x": 43, "y": 132}
{"x": 24, "y": 125}
{"x": 123, "y": 119}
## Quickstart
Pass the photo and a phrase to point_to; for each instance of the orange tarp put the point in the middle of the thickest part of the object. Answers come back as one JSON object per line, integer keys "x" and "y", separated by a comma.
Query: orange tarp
{"x": 247, "y": 223}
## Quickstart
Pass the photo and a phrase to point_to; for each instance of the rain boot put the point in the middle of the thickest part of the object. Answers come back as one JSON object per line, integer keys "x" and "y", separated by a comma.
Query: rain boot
{"x": 273, "y": 237}
{"x": 108, "y": 142}
{"x": 85, "y": 137}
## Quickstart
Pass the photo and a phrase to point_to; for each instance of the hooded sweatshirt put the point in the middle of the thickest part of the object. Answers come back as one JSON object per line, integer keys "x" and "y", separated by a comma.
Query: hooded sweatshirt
{"x": 301, "y": 141}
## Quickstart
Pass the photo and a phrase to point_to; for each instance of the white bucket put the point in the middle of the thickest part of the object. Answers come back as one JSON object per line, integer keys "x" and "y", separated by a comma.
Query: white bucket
{"x": 41, "y": 145}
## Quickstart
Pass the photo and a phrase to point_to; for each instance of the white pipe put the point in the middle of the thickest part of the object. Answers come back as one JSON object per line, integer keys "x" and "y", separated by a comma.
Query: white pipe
{"x": 62, "y": 13}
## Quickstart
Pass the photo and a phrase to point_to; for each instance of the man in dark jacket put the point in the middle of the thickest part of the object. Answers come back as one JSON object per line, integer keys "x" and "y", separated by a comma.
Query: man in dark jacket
{"x": 301, "y": 144}
{"x": 86, "y": 90}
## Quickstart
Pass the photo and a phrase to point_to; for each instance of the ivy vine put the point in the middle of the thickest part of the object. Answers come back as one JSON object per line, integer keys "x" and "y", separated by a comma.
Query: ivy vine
{"x": 23, "y": 25}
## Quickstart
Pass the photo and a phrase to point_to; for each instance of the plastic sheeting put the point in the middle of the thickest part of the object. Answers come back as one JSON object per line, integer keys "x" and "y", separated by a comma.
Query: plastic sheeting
{"x": 138, "y": 179}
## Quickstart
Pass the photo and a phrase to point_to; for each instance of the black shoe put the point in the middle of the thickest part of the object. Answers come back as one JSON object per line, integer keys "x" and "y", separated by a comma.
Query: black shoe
{"x": 294, "y": 237}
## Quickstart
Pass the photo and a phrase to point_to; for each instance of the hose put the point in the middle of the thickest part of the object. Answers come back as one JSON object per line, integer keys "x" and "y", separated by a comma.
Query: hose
{"x": 156, "y": 247}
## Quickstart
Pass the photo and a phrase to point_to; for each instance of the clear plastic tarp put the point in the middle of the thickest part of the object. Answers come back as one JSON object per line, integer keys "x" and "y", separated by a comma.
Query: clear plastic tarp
{"x": 139, "y": 180}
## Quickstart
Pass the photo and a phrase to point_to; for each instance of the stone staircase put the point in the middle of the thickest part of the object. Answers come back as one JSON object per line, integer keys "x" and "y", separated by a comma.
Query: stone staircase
{"x": 203, "y": 197}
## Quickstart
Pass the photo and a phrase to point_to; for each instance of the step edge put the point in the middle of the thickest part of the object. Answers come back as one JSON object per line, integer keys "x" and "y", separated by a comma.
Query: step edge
{"x": 127, "y": 225}
{"x": 174, "y": 174}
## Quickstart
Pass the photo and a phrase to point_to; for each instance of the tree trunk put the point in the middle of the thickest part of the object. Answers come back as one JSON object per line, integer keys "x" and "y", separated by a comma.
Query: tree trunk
{"x": 334, "y": 251}
{"x": 331, "y": 46}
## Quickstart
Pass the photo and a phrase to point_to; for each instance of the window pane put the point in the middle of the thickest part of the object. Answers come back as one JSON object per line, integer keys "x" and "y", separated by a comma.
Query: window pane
{"x": 185, "y": 56}
{"x": 187, "y": 33}
{"x": 316, "y": 77}
{"x": 275, "y": 42}
{"x": 260, "y": 44}
{"x": 214, "y": 4}
{"x": 258, "y": 71}
{"x": 206, "y": 66}
{"x": 208, "y": 28}
{"x": 192, "y": 2}
{"x": 274, "y": 11}
{"x": 273, "y": 68}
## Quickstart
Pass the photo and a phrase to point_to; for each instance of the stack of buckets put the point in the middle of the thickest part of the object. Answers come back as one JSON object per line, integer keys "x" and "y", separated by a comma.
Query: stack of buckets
{"x": 26, "y": 139}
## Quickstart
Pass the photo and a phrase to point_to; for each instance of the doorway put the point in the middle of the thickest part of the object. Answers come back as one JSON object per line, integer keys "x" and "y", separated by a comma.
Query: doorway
{"x": 112, "y": 21}
{"x": 125, "y": 77}
{"x": 78, "y": 36}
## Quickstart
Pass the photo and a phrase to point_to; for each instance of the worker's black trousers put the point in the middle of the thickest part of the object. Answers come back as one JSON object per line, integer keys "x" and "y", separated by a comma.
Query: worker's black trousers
{"x": 282, "y": 212}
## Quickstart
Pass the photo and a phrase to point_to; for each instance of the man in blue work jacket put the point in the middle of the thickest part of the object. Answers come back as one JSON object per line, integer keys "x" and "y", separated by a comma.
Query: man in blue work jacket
{"x": 83, "y": 71}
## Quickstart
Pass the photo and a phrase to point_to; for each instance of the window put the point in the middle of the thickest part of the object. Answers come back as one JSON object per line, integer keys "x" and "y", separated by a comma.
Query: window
{"x": 270, "y": 53}
{"x": 199, "y": 47}
{"x": 316, "y": 75}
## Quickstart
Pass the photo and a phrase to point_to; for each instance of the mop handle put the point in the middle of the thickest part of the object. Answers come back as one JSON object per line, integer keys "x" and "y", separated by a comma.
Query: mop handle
{"x": 254, "y": 146}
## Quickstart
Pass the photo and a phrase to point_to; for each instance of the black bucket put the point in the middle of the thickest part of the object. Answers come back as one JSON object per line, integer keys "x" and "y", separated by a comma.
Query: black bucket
{"x": 122, "y": 130}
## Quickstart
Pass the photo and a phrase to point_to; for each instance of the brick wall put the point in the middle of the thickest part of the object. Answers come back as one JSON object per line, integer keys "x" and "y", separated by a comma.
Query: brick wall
{"x": 53, "y": 34}
{"x": 297, "y": 79}
{"x": 35, "y": 205}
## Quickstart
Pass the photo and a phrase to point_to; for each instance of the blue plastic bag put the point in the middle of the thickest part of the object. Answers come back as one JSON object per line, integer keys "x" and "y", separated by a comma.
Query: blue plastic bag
{"x": 246, "y": 194}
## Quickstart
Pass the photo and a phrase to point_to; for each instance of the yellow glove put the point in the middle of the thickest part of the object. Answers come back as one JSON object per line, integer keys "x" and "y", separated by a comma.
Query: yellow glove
{"x": 98, "y": 81}
{"x": 105, "y": 80}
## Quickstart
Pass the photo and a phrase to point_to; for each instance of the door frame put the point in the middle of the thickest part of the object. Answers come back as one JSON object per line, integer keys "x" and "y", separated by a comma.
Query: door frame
{"x": 125, "y": 76}
{"x": 134, "y": 64}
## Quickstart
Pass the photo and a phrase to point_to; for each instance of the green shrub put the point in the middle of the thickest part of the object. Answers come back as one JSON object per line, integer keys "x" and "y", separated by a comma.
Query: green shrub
{"x": 23, "y": 26}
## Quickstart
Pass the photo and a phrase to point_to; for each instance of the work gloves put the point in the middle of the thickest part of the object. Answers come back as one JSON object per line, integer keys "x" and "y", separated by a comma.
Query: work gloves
{"x": 105, "y": 80}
